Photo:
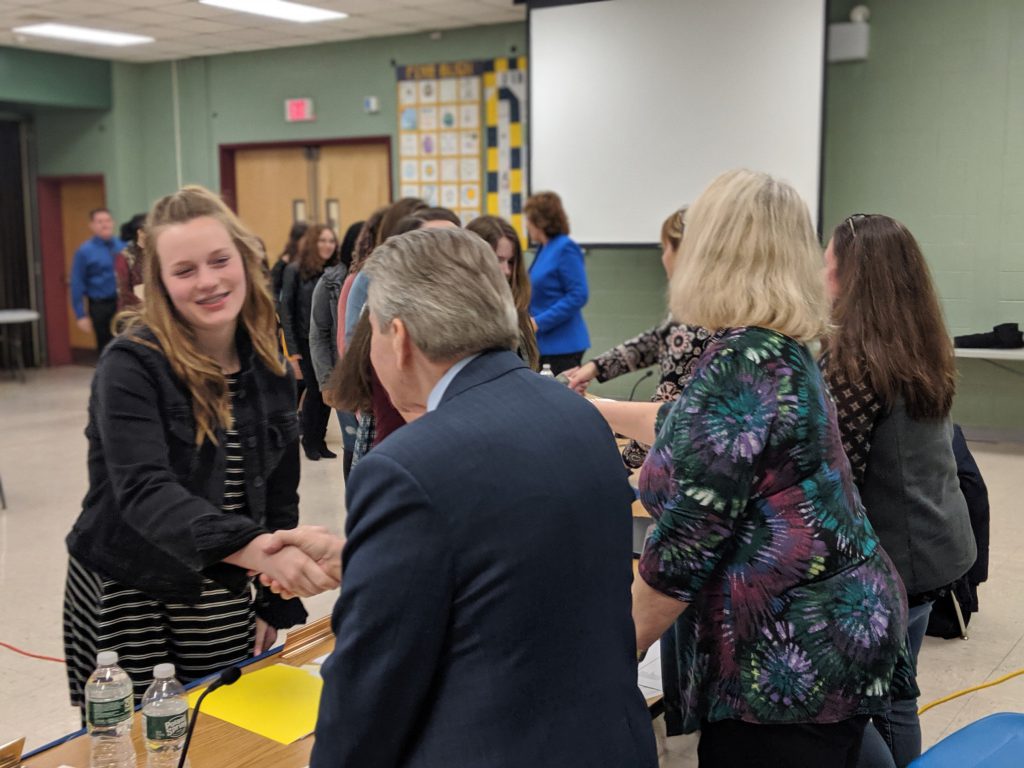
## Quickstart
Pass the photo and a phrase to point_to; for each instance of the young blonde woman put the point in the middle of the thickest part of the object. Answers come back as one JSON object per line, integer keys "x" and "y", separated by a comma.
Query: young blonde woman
{"x": 789, "y": 619}
{"x": 193, "y": 463}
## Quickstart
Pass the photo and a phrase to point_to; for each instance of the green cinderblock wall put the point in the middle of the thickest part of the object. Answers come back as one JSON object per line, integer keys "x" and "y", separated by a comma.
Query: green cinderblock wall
{"x": 930, "y": 129}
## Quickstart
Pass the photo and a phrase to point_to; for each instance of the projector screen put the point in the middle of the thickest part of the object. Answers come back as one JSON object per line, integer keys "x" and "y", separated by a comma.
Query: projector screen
{"x": 635, "y": 105}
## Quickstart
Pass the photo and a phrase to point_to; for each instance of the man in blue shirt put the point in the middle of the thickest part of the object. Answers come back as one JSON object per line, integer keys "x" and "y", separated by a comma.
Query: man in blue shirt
{"x": 92, "y": 278}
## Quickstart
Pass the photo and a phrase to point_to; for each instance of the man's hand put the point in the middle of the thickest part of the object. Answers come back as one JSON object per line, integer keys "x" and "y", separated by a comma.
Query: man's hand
{"x": 317, "y": 543}
{"x": 292, "y": 569}
{"x": 328, "y": 397}
{"x": 84, "y": 324}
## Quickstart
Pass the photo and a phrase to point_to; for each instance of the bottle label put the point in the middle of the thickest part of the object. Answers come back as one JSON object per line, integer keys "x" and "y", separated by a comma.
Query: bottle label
{"x": 103, "y": 714}
{"x": 165, "y": 728}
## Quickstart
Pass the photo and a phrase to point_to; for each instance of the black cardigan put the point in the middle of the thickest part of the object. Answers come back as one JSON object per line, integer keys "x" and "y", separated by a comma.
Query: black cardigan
{"x": 151, "y": 519}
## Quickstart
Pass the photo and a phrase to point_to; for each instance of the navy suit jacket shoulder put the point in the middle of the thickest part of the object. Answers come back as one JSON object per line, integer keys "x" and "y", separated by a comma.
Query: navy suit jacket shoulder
{"x": 484, "y": 618}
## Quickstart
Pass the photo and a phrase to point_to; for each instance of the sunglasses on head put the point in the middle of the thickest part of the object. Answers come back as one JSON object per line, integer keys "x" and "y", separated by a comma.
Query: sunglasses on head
{"x": 848, "y": 221}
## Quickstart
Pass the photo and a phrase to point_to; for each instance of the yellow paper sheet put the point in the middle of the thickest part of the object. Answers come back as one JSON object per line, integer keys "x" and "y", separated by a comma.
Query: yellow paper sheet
{"x": 279, "y": 702}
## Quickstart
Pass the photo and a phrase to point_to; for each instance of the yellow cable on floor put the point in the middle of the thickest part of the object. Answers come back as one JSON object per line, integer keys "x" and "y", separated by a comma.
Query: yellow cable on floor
{"x": 972, "y": 689}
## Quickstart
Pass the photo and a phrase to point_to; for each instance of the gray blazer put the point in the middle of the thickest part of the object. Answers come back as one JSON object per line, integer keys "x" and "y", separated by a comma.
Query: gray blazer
{"x": 913, "y": 500}
{"x": 323, "y": 322}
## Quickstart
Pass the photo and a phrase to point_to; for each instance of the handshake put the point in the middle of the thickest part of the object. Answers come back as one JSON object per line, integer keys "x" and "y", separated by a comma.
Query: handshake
{"x": 296, "y": 562}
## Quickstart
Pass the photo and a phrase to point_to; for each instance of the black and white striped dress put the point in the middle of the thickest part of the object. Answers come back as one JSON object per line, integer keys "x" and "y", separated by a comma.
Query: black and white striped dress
{"x": 102, "y": 615}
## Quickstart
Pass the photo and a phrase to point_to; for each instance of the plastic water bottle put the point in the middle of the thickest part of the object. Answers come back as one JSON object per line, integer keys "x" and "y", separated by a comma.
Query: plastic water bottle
{"x": 546, "y": 371}
{"x": 164, "y": 718}
{"x": 108, "y": 714}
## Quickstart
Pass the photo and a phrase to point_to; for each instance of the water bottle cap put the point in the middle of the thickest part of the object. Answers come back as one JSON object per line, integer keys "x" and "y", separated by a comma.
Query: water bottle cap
{"x": 106, "y": 658}
{"x": 163, "y": 671}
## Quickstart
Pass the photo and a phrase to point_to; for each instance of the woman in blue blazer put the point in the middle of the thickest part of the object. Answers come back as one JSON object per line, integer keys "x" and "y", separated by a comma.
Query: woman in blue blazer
{"x": 559, "y": 283}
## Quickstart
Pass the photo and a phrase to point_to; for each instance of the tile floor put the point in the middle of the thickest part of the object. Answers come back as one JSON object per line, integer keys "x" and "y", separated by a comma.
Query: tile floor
{"x": 42, "y": 464}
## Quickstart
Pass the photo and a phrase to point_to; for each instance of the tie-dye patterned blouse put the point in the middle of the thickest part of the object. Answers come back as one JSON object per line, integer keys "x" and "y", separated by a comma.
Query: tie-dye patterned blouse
{"x": 796, "y": 613}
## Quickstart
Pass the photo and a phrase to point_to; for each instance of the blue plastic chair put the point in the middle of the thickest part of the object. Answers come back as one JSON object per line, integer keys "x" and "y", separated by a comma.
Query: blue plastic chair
{"x": 996, "y": 741}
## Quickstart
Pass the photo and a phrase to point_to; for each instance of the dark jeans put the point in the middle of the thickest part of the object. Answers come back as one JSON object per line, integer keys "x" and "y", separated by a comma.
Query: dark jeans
{"x": 561, "y": 363}
{"x": 101, "y": 312}
{"x": 735, "y": 744}
{"x": 315, "y": 413}
{"x": 894, "y": 738}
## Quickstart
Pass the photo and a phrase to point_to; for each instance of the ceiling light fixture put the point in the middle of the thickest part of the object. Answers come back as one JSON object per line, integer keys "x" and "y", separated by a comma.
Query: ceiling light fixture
{"x": 278, "y": 9}
{"x": 82, "y": 34}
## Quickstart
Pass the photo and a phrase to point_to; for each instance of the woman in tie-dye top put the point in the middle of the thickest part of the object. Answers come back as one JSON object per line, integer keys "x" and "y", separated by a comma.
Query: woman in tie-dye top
{"x": 789, "y": 619}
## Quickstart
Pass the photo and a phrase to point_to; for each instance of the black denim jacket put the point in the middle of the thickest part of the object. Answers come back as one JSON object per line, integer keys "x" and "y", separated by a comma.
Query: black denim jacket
{"x": 152, "y": 517}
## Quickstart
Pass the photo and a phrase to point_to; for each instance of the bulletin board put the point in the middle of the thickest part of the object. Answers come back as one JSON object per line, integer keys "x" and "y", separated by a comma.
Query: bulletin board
{"x": 505, "y": 128}
{"x": 440, "y": 135}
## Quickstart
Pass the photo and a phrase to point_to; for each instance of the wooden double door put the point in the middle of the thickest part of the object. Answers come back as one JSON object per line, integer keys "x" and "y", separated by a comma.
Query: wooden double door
{"x": 275, "y": 186}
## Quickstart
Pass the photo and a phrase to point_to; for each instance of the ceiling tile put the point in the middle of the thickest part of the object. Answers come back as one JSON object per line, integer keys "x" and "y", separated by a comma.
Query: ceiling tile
{"x": 186, "y": 27}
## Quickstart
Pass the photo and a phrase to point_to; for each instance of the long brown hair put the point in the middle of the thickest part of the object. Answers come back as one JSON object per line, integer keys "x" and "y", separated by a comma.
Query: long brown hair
{"x": 175, "y": 339}
{"x": 350, "y": 379}
{"x": 492, "y": 229}
{"x": 889, "y": 327}
{"x": 367, "y": 240}
{"x": 309, "y": 261}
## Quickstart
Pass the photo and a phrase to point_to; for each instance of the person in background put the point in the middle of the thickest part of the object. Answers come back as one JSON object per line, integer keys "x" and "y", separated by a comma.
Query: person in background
{"x": 193, "y": 463}
{"x": 890, "y": 366}
{"x": 358, "y": 381}
{"x": 93, "y": 278}
{"x": 323, "y": 332}
{"x": 675, "y": 347}
{"x": 348, "y": 244}
{"x": 558, "y": 281}
{"x": 365, "y": 243}
{"x": 290, "y": 253}
{"x": 504, "y": 241}
{"x": 789, "y": 618}
{"x": 318, "y": 250}
{"x": 448, "y": 573}
{"x": 128, "y": 263}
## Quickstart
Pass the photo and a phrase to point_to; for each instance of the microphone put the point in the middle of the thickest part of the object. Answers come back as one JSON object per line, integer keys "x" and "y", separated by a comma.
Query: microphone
{"x": 226, "y": 677}
{"x": 647, "y": 375}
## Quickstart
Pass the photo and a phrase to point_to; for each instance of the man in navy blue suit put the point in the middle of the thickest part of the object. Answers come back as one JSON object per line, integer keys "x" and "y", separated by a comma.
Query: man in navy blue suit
{"x": 484, "y": 617}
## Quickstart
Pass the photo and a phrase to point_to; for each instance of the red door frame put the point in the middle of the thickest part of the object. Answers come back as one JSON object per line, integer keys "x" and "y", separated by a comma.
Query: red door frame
{"x": 56, "y": 299}
{"x": 226, "y": 154}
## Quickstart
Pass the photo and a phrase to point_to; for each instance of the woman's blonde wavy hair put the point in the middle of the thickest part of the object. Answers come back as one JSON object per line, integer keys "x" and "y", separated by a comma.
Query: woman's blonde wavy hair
{"x": 175, "y": 339}
{"x": 749, "y": 257}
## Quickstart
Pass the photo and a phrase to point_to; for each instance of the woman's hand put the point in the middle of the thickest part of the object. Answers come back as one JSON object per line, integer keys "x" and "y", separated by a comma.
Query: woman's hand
{"x": 293, "y": 360}
{"x": 581, "y": 376}
{"x": 316, "y": 542}
{"x": 296, "y": 572}
{"x": 266, "y": 636}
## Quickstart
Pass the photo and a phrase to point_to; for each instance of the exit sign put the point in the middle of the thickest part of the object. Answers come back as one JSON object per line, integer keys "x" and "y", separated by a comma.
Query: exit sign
{"x": 298, "y": 110}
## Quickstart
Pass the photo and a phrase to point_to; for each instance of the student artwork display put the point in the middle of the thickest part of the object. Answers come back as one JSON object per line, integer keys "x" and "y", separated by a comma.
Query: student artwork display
{"x": 440, "y": 142}
{"x": 505, "y": 111}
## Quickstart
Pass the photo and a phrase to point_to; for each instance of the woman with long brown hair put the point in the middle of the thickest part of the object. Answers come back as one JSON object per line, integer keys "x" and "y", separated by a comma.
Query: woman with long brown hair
{"x": 317, "y": 251}
{"x": 193, "y": 463}
{"x": 504, "y": 240}
{"x": 889, "y": 363}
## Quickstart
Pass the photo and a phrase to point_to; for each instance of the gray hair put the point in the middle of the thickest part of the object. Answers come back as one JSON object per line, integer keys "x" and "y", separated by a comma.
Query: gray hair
{"x": 446, "y": 287}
